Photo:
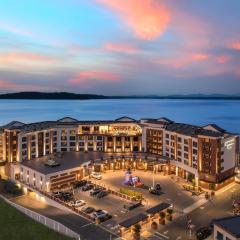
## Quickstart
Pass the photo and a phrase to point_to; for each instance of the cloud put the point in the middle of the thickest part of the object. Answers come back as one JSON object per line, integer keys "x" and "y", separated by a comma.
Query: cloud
{"x": 11, "y": 86}
{"x": 15, "y": 30}
{"x": 85, "y": 77}
{"x": 147, "y": 18}
{"x": 122, "y": 48}
{"x": 19, "y": 57}
{"x": 200, "y": 57}
{"x": 235, "y": 45}
{"x": 223, "y": 58}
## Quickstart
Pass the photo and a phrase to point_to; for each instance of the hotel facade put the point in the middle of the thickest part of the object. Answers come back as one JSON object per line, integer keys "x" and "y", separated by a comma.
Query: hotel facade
{"x": 207, "y": 154}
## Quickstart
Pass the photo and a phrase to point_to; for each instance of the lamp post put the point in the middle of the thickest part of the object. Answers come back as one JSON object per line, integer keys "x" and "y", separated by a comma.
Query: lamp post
{"x": 153, "y": 176}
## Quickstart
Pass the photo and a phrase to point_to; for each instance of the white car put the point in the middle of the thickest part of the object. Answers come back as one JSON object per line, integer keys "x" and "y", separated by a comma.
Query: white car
{"x": 96, "y": 175}
{"x": 78, "y": 203}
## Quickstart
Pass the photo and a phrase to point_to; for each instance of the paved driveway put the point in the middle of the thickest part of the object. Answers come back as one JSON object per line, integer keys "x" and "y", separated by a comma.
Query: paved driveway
{"x": 85, "y": 228}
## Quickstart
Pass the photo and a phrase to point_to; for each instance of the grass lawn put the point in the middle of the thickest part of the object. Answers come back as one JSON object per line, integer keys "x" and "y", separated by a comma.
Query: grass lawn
{"x": 15, "y": 225}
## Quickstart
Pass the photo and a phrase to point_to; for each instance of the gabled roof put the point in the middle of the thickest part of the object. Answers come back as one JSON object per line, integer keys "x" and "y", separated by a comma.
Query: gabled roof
{"x": 67, "y": 120}
{"x": 163, "y": 119}
{"x": 13, "y": 125}
{"x": 125, "y": 119}
{"x": 214, "y": 127}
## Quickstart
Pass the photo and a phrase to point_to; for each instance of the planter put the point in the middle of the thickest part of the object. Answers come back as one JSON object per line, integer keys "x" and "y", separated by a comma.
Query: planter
{"x": 154, "y": 225}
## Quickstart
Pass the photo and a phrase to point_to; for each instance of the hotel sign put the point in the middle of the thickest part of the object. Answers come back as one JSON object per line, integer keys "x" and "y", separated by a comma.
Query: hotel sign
{"x": 229, "y": 144}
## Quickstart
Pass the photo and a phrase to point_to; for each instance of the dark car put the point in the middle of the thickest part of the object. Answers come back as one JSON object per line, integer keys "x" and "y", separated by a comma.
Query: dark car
{"x": 156, "y": 190}
{"x": 79, "y": 184}
{"x": 203, "y": 232}
{"x": 88, "y": 210}
{"x": 95, "y": 191}
{"x": 102, "y": 194}
{"x": 131, "y": 206}
{"x": 87, "y": 187}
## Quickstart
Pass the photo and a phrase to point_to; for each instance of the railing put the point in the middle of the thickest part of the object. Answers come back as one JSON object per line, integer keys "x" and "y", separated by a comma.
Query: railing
{"x": 50, "y": 223}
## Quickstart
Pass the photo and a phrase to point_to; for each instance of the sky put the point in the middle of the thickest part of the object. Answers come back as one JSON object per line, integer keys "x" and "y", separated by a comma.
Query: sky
{"x": 120, "y": 47}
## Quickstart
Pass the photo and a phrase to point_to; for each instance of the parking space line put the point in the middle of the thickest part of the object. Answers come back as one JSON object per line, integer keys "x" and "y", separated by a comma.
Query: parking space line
{"x": 161, "y": 235}
{"x": 86, "y": 225}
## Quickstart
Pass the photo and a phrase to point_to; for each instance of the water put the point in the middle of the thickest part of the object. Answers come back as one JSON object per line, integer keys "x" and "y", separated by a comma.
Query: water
{"x": 225, "y": 113}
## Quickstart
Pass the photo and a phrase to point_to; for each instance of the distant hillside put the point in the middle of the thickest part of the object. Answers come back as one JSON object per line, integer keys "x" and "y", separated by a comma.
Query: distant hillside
{"x": 75, "y": 96}
{"x": 53, "y": 95}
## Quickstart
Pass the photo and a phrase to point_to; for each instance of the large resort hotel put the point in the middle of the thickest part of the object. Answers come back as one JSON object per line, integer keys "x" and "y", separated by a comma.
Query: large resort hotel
{"x": 52, "y": 155}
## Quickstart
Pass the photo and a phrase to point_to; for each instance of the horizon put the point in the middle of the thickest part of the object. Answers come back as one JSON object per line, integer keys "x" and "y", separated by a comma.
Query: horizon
{"x": 103, "y": 47}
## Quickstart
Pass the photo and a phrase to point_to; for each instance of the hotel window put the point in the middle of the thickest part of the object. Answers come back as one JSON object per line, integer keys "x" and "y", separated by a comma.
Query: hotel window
{"x": 47, "y": 134}
{"x": 90, "y": 137}
{"x": 109, "y": 139}
{"x": 167, "y": 135}
{"x": 172, "y": 137}
{"x": 195, "y": 144}
{"x": 72, "y": 138}
{"x": 179, "y": 139}
{"x": 185, "y": 141}
{"x": 179, "y": 153}
{"x": 24, "y": 139}
{"x": 99, "y": 138}
{"x": 167, "y": 142}
{"x": 185, "y": 149}
{"x": 195, "y": 151}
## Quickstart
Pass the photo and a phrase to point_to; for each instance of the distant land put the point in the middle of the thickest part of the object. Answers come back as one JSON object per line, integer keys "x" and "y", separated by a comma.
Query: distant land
{"x": 76, "y": 96}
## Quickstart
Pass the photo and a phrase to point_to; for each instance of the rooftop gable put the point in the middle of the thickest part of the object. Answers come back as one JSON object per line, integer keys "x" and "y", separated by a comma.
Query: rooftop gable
{"x": 67, "y": 120}
{"x": 214, "y": 127}
{"x": 125, "y": 119}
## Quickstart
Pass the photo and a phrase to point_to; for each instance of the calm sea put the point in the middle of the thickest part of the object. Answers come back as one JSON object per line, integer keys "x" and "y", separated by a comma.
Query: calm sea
{"x": 225, "y": 113}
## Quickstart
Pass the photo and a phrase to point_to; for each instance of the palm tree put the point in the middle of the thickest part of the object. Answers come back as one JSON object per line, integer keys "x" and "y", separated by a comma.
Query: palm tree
{"x": 137, "y": 231}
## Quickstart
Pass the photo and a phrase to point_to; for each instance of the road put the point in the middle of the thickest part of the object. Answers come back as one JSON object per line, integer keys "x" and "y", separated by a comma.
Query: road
{"x": 220, "y": 206}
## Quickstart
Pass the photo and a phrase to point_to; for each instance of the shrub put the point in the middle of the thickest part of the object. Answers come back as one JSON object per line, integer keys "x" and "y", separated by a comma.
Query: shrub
{"x": 137, "y": 231}
{"x": 11, "y": 188}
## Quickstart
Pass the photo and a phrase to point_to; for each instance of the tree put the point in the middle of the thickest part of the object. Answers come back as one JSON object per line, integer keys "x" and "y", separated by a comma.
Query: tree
{"x": 136, "y": 231}
{"x": 170, "y": 212}
{"x": 162, "y": 218}
{"x": 154, "y": 225}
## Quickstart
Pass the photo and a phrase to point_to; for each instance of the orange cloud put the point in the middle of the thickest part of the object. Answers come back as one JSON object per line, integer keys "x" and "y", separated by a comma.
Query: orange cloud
{"x": 235, "y": 45}
{"x": 123, "y": 48}
{"x": 85, "y": 76}
{"x": 147, "y": 18}
{"x": 200, "y": 56}
{"x": 20, "y": 57}
{"x": 223, "y": 59}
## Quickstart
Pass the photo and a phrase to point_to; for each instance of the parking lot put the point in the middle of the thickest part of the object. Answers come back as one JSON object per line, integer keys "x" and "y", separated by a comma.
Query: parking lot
{"x": 172, "y": 191}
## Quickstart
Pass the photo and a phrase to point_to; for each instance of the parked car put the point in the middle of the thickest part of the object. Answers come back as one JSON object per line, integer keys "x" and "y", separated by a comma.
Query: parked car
{"x": 57, "y": 194}
{"x": 99, "y": 214}
{"x": 131, "y": 206}
{"x": 156, "y": 190}
{"x": 96, "y": 175}
{"x": 95, "y": 191}
{"x": 79, "y": 184}
{"x": 102, "y": 194}
{"x": 203, "y": 232}
{"x": 78, "y": 203}
{"x": 88, "y": 210}
{"x": 87, "y": 187}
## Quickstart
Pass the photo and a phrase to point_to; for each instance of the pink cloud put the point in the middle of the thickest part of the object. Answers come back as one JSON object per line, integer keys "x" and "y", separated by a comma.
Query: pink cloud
{"x": 22, "y": 56}
{"x": 235, "y": 45}
{"x": 11, "y": 86}
{"x": 200, "y": 57}
{"x": 147, "y": 18}
{"x": 123, "y": 48}
{"x": 85, "y": 76}
{"x": 223, "y": 59}
{"x": 13, "y": 29}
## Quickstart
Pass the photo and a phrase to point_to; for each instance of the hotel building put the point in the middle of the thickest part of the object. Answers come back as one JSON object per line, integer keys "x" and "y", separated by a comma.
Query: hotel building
{"x": 207, "y": 154}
